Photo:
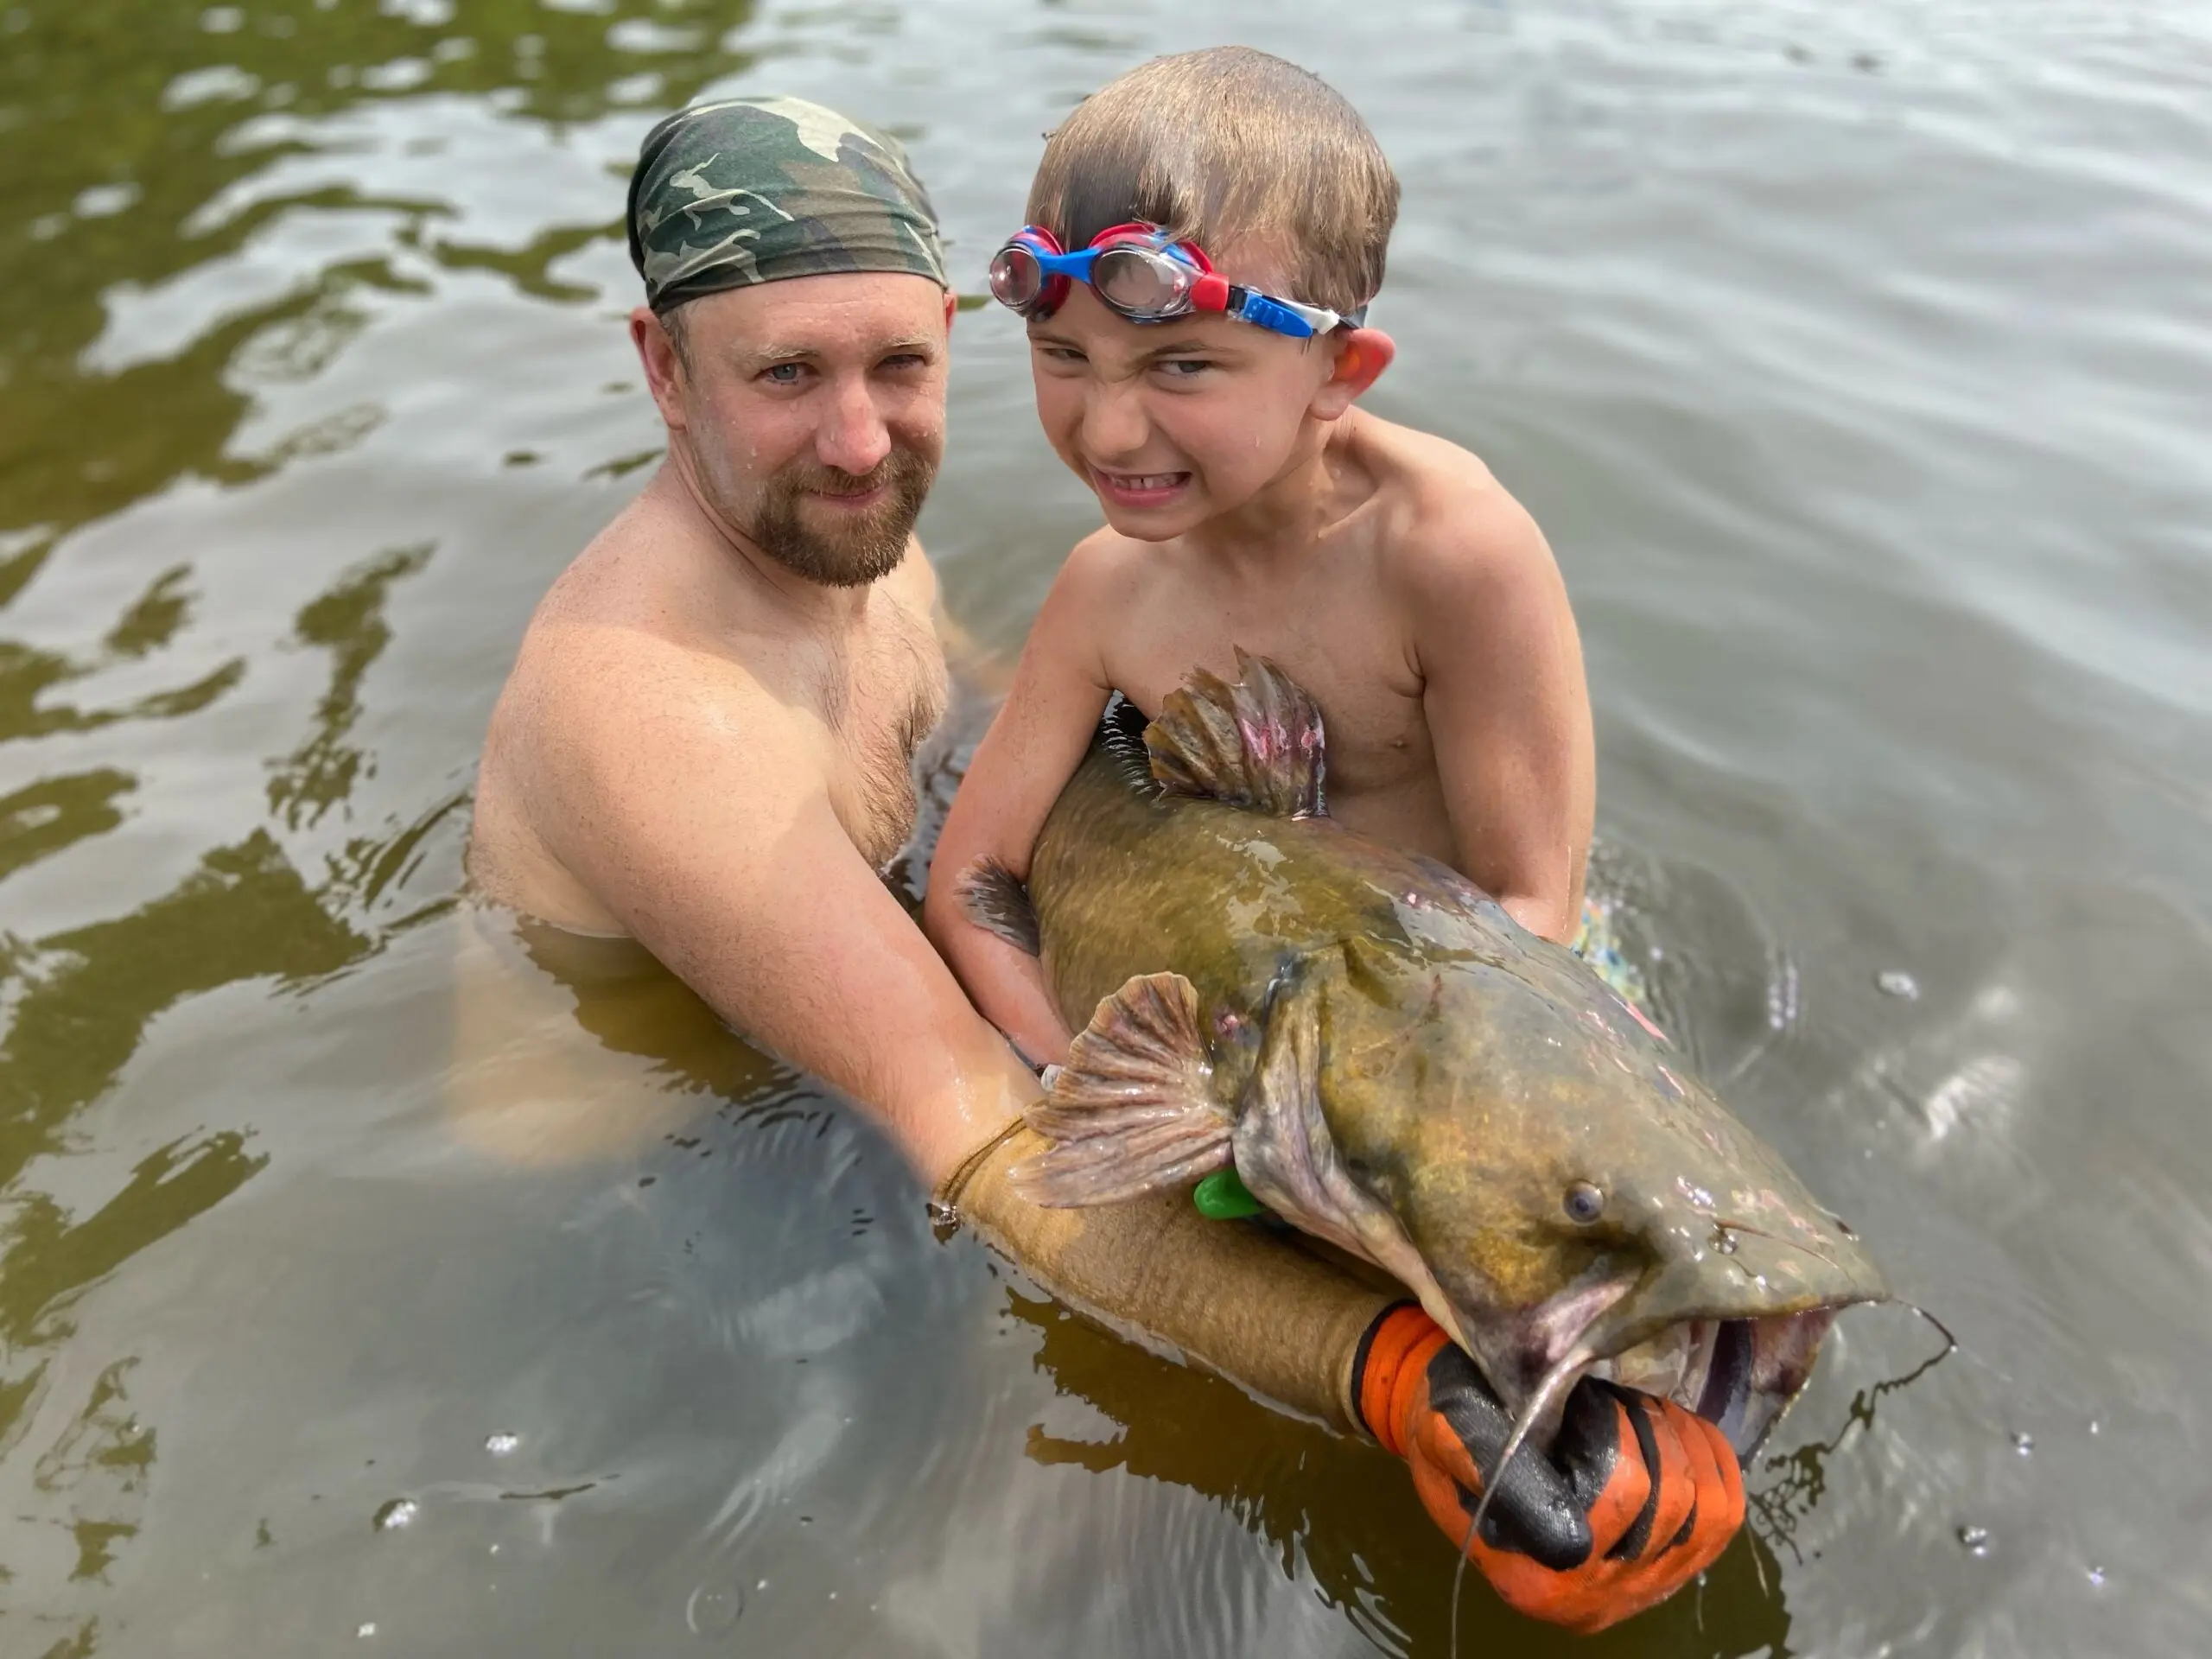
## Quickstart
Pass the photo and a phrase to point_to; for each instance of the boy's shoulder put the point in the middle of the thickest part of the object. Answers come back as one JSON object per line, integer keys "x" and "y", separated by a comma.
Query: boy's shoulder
{"x": 1105, "y": 566}
{"x": 1447, "y": 520}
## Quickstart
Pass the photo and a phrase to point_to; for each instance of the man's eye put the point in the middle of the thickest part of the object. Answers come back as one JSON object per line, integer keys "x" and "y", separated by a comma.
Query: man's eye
{"x": 905, "y": 361}
{"x": 783, "y": 374}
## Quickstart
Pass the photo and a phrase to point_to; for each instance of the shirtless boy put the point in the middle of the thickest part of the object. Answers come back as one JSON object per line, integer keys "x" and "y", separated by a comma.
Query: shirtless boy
{"x": 1250, "y": 502}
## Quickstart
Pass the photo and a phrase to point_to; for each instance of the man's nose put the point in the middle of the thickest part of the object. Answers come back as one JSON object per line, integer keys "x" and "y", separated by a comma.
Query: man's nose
{"x": 1113, "y": 421}
{"x": 853, "y": 436}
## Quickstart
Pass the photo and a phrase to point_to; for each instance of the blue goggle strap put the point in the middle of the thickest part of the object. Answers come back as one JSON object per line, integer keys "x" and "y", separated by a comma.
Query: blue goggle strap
{"x": 1282, "y": 316}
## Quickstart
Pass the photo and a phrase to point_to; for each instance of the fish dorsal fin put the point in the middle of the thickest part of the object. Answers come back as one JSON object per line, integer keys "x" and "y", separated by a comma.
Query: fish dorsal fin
{"x": 1255, "y": 744}
{"x": 1132, "y": 1110}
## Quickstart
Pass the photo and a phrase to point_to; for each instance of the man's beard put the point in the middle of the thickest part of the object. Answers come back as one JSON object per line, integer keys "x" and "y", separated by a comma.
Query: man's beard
{"x": 864, "y": 547}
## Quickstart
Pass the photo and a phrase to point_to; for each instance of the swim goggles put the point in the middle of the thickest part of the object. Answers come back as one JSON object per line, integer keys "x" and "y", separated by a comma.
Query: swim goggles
{"x": 1139, "y": 272}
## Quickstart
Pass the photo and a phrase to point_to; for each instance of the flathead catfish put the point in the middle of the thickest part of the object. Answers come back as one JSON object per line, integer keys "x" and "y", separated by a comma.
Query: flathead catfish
{"x": 1395, "y": 1065}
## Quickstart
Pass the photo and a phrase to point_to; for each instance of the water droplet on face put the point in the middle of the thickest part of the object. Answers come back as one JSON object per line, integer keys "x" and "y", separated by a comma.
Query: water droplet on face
{"x": 1976, "y": 1539}
{"x": 2024, "y": 1443}
{"x": 713, "y": 1608}
{"x": 400, "y": 1512}
{"x": 1895, "y": 982}
{"x": 500, "y": 1443}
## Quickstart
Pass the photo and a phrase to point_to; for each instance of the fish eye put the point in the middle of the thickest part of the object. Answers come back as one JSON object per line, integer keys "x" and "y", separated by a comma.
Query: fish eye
{"x": 1585, "y": 1202}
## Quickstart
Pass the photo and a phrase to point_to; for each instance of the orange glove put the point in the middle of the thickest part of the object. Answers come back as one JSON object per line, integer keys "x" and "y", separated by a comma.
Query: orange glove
{"x": 1635, "y": 1497}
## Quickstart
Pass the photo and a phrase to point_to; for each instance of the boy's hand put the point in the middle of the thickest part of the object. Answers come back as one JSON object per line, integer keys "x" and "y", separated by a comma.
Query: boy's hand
{"x": 1635, "y": 1497}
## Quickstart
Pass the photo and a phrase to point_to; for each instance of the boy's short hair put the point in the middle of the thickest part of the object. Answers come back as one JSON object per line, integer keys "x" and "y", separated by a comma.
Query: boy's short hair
{"x": 1225, "y": 147}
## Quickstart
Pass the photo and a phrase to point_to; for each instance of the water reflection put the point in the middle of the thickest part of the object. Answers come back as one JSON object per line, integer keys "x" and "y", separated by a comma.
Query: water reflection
{"x": 134, "y": 122}
{"x": 349, "y": 622}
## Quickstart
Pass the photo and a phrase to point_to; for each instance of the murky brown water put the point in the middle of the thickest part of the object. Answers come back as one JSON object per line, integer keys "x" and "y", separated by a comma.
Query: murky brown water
{"x": 1858, "y": 363}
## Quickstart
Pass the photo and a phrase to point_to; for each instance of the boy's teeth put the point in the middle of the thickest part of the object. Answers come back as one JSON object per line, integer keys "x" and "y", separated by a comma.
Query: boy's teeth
{"x": 1147, "y": 480}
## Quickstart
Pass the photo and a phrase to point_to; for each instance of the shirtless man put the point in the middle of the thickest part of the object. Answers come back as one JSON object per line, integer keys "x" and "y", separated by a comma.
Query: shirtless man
{"x": 705, "y": 741}
{"x": 704, "y": 745}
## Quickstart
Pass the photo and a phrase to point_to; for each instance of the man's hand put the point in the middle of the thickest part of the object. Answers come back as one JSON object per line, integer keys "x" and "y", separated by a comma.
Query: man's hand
{"x": 1635, "y": 1497}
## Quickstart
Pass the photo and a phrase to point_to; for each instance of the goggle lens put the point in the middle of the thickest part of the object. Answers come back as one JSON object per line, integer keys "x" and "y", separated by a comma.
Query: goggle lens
{"x": 1017, "y": 279}
{"x": 1141, "y": 283}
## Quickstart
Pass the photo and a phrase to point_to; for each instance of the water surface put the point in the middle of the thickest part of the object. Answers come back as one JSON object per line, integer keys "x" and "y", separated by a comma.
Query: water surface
{"x": 1858, "y": 365}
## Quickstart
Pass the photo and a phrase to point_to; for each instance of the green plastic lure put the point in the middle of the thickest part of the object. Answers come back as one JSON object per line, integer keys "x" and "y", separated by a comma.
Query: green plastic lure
{"x": 1222, "y": 1196}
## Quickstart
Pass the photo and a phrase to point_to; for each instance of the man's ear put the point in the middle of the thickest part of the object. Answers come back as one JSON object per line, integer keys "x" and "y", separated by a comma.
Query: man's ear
{"x": 951, "y": 305}
{"x": 663, "y": 369}
{"x": 1362, "y": 354}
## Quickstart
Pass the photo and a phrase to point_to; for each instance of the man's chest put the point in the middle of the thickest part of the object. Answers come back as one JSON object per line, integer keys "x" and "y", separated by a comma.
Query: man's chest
{"x": 878, "y": 693}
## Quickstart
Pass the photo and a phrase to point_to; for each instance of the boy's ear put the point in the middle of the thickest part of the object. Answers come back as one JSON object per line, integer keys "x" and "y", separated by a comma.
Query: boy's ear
{"x": 1362, "y": 355}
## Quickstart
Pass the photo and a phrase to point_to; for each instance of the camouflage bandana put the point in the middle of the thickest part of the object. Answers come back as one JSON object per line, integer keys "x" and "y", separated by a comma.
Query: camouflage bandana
{"x": 757, "y": 189}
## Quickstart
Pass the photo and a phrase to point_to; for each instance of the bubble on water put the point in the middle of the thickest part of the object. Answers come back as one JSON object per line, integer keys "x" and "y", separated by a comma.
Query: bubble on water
{"x": 713, "y": 1608}
{"x": 2024, "y": 1443}
{"x": 2095, "y": 1427}
{"x": 367, "y": 1629}
{"x": 1725, "y": 1241}
{"x": 1976, "y": 1539}
{"x": 400, "y": 1512}
{"x": 500, "y": 1443}
{"x": 1895, "y": 982}
{"x": 2096, "y": 1578}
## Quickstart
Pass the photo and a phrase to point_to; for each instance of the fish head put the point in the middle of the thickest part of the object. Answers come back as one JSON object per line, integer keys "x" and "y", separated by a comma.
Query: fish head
{"x": 1566, "y": 1197}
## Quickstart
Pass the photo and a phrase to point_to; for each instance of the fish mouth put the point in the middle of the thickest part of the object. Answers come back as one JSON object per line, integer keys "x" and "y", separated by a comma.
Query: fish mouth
{"x": 1739, "y": 1374}
{"x": 1731, "y": 1336}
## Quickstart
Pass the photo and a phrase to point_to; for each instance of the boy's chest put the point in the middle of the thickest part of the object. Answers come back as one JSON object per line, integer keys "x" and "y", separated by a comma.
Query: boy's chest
{"x": 1352, "y": 662}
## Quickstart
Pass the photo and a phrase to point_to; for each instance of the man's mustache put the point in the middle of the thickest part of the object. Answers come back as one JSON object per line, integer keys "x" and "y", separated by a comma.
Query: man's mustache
{"x": 894, "y": 468}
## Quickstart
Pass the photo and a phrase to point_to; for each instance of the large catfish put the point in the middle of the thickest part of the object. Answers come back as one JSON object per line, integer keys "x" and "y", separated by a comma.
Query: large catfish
{"x": 1395, "y": 1065}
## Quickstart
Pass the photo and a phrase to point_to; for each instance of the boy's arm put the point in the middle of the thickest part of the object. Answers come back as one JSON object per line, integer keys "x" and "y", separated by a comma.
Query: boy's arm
{"x": 1508, "y": 710}
{"x": 1031, "y": 750}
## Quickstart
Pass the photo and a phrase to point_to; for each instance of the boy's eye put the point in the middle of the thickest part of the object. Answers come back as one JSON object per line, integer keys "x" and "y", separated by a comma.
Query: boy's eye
{"x": 1060, "y": 353}
{"x": 1183, "y": 368}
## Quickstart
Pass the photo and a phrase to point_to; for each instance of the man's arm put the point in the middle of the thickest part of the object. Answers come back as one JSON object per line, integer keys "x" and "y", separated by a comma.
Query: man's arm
{"x": 702, "y": 820}
{"x": 1030, "y": 751}
{"x": 1508, "y": 709}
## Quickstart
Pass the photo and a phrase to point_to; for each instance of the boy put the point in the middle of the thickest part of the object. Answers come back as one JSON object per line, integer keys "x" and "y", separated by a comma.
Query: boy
{"x": 1250, "y": 502}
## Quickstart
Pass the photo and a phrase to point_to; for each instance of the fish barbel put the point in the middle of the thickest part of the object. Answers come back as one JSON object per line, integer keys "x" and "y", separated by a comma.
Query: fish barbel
{"x": 1393, "y": 1065}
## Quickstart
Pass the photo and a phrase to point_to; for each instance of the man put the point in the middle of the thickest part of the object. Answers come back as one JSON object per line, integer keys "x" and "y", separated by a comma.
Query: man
{"x": 706, "y": 739}
{"x": 705, "y": 745}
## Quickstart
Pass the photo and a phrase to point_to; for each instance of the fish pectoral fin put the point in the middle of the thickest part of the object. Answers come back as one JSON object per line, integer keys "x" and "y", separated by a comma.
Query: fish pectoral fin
{"x": 1133, "y": 1109}
{"x": 997, "y": 900}
{"x": 1255, "y": 744}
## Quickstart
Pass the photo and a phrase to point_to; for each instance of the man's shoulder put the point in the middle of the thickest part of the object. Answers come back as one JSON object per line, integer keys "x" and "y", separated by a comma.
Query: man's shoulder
{"x": 613, "y": 668}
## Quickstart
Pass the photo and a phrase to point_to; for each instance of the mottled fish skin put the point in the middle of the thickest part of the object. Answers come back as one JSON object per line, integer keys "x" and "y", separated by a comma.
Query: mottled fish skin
{"x": 1416, "y": 1077}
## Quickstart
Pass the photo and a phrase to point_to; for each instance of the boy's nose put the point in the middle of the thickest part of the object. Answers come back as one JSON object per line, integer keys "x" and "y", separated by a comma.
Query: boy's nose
{"x": 853, "y": 436}
{"x": 1113, "y": 421}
